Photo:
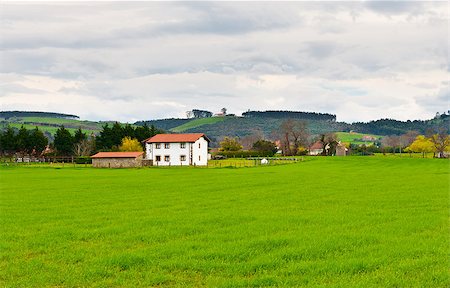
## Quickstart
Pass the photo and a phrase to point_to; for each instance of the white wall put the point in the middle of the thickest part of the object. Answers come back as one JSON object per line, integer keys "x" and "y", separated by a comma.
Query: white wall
{"x": 199, "y": 154}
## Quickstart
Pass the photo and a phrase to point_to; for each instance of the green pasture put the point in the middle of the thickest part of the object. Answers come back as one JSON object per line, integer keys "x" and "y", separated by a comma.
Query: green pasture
{"x": 51, "y": 120}
{"x": 197, "y": 123}
{"x": 352, "y": 137}
{"x": 323, "y": 222}
{"x": 52, "y": 130}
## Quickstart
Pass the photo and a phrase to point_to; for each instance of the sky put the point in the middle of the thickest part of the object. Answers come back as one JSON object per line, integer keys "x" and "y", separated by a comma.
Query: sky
{"x": 130, "y": 61}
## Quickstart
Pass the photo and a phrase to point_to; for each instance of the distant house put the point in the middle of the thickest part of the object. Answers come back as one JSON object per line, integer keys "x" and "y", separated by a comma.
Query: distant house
{"x": 316, "y": 149}
{"x": 117, "y": 159}
{"x": 177, "y": 149}
{"x": 368, "y": 138}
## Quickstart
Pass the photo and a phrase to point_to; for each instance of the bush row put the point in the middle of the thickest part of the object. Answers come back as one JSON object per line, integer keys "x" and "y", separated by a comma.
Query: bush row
{"x": 244, "y": 154}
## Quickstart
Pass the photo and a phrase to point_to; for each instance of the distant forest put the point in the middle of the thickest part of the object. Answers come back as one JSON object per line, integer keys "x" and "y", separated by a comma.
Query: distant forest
{"x": 10, "y": 114}
{"x": 290, "y": 115}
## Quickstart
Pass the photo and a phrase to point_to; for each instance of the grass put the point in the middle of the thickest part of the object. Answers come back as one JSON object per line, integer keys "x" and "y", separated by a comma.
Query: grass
{"x": 48, "y": 124}
{"x": 52, "y": 130}
{"x": 323, "y": 222}
{"x": 350, "y": 137}
{"x": 197, "y": 123}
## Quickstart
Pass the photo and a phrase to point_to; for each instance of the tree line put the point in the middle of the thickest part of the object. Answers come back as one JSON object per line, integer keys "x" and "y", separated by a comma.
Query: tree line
{"x": 9, "y": 114}
{"x": 110, "y": 138}
{"x": 290, "y": 115}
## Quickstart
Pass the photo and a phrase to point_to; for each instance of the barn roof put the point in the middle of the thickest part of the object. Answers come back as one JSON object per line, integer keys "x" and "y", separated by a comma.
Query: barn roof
{"x": 117, "y": 154}
{"x": 173, "y": 138}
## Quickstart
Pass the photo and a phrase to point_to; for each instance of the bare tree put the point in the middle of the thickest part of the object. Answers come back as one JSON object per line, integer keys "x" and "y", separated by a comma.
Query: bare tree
{"x": 391, "y": 142}
{"x": 408, "y": 138}
{"x": 441, "y": 141}
{"x": 293, "y": 135}
{"x": 248, "y": 141}
{"x": 84, "y": 147}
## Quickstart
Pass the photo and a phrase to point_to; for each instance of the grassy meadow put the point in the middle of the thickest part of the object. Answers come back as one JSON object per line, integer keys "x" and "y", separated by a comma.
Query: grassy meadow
{"x": 197, "y": 123}
{"x": 322, "y": 222}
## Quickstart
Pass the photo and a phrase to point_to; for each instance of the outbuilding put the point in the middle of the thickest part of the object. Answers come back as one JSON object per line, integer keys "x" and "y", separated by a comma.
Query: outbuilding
{"x": 117, "y": 159}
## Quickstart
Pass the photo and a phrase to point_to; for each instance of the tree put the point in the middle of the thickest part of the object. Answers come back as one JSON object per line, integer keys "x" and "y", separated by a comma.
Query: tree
{"x": 294, "y": 134}
{"x": 248, "y": 141}
{"x": 38, "y": 141}
{"x": 224, "y": 111}
{"x": 117, "y": 134}
{"x": 421, "y": 145}
{"x": 8, "y": 140}
{"x": 22, "y": 140}
{"x": 130, "y": 144}
{"x": 201, "y": 113}
{"x": 441, "y": 142}
{"x": 84, "y": 147}
{"x": 79, "y": 136}
{"x": 230, "y": 144}
{"x": 329, "y": 142}
{"x": 265, "y": 146}
{"x": 63, "y": 141}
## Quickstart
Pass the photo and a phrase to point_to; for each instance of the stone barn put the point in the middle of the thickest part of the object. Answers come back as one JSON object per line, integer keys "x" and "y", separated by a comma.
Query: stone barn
{"x": 117, "y": 159}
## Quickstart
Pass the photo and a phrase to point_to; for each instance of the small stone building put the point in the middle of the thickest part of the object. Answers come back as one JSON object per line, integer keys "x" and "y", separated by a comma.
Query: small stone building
{"x": 341, "y": 150}
{"x": 117, "y": 159}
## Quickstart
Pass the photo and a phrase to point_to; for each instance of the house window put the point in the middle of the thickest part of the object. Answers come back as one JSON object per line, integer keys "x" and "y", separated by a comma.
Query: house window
{"x": 182, "y": 158}
{"x": 198, "y": 145}
{"x": 182, "y": 145}
{"x": 167, "y": 158}
{"x": 166, "y": 145}
{"x": 158, "y": 158}
{"x": 199, "y": 158}
{"x": 158, "y": 145}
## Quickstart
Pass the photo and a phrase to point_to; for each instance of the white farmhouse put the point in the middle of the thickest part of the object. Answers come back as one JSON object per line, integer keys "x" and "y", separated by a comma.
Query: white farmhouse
{"x": 177, "y": 149}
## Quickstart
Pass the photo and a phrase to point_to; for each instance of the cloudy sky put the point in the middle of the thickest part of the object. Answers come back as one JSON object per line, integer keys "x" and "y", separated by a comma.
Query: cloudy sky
{"x": 147, "y": 60}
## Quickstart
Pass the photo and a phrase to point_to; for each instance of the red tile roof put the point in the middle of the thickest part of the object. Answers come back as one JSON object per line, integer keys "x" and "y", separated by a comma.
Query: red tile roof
{"x": 317, "y": 145}
{"x": 173, "y": 138}
{"x": 117, "y": 154}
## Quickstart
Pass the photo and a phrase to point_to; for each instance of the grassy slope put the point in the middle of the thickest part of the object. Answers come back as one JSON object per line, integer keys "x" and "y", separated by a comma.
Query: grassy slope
{"x": 48, "y": 124}
{"x": 334, "y": 222}
{"x": 197, "y": 123}
{"x": 350, "y": 137}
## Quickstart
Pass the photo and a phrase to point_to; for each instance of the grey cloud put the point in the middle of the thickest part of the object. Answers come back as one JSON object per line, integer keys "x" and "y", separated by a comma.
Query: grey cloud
{"x": 395, "y": 7}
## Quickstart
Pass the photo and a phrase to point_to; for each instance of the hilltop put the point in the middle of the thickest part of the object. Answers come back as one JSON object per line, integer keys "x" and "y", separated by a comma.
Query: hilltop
{"x": 268, "y": 122}
{"x": 264, "y": 123}
{"x": 49, "y": 122}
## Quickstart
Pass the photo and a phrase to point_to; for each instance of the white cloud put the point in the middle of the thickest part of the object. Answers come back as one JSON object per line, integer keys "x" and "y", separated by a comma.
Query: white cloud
{"x": 145, "y": 60}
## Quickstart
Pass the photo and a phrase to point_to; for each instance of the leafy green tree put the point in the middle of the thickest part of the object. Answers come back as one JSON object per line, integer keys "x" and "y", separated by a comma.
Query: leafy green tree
{"x": 265, "y": 146}
{"x": 22, "y": 140}
{"x": 230, "y": 144}
{"x": 128, "y": 131}
{"x": 117, "y": 134}
{"x": 104, "y": 140}
{"x": 63, "y": 141}
{"x": 79, "y": 136}
{"x": 8, "y": 140}
{"x": 38, "y": 141}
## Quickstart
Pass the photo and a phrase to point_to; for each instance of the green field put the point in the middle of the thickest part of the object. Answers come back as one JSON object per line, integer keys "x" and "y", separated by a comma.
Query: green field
{"x": 323, "y": 222}
{"x": 197, "y": 123}
{"x": 352, "y": 137}
{"x": 49, "y": 124}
